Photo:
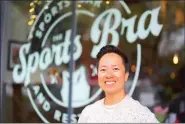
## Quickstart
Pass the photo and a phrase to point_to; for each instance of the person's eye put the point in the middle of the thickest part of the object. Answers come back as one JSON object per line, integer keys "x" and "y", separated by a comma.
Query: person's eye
{"x": 102, "y": 70}
{"x": 116, "y": 69}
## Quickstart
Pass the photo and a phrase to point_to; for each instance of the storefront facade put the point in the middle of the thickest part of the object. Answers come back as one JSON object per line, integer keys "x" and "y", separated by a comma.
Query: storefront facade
{"x": 42, "y": 80}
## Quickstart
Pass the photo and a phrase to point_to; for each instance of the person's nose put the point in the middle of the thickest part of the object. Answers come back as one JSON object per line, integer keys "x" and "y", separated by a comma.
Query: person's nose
{"x": 109, "y": 74}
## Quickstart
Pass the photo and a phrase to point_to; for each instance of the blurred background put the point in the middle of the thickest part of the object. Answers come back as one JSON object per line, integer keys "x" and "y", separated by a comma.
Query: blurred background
{"x": 160, "y": 85}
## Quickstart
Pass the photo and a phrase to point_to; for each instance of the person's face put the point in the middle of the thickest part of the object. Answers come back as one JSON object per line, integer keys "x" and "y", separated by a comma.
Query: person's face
{"x": 111, "y": 73}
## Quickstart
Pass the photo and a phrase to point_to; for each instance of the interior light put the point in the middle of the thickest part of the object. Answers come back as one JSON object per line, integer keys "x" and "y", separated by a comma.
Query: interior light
{"x": 31, "y": 4}
{"x": 30, "y": 22}
{"x": 172, "y": 75}
{"x": 31, "y": 10}
{"x": 133, "y": 68}
{"x": 33, "y": 16}
{"x": 79, "y": 5}
{"x": 175, "y": 59}
{"x": 36, "y": 1}
{"x": 107, "y": 2}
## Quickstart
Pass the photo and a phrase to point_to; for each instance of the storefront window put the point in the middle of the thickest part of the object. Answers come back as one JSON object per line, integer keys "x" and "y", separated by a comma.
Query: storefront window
{"x": 36, "y": 54}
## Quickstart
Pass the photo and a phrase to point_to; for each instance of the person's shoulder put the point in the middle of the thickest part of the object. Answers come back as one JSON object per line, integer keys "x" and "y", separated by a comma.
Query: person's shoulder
{"x": 143, "y": 113}
{"x": 95, "y": 105}
{"x": 89, "y": 111}
{"x": 136, "y": 104}
{"x": 92, "y": 107}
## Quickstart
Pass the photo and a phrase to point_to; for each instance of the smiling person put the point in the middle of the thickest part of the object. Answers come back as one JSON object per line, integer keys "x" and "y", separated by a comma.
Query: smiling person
{"x": 117, "y": 106}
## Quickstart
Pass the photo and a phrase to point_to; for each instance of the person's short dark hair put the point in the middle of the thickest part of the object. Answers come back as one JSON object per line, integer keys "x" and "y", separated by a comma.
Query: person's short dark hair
{"x": 112, "y": 49}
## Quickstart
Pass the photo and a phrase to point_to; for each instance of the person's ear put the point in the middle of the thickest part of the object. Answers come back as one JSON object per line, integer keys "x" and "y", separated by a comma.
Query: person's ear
{"x": 126, "y": 76}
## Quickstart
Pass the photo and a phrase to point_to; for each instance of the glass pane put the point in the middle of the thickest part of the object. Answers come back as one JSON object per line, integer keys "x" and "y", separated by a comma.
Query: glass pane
{"x": 35, "y": 56}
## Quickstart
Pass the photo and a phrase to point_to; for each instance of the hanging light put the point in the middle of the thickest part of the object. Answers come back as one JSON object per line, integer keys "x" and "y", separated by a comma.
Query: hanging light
{"x": 175, "y": 59}
{"x": 79, "y": 5}
{"x": 107, "y": 2}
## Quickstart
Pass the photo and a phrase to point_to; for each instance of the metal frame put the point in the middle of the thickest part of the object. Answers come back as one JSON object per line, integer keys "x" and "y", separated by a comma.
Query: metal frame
{"x": 5, "y": 7}
{"x": 1, "y": 93}
{"x": 71, "y": 64}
